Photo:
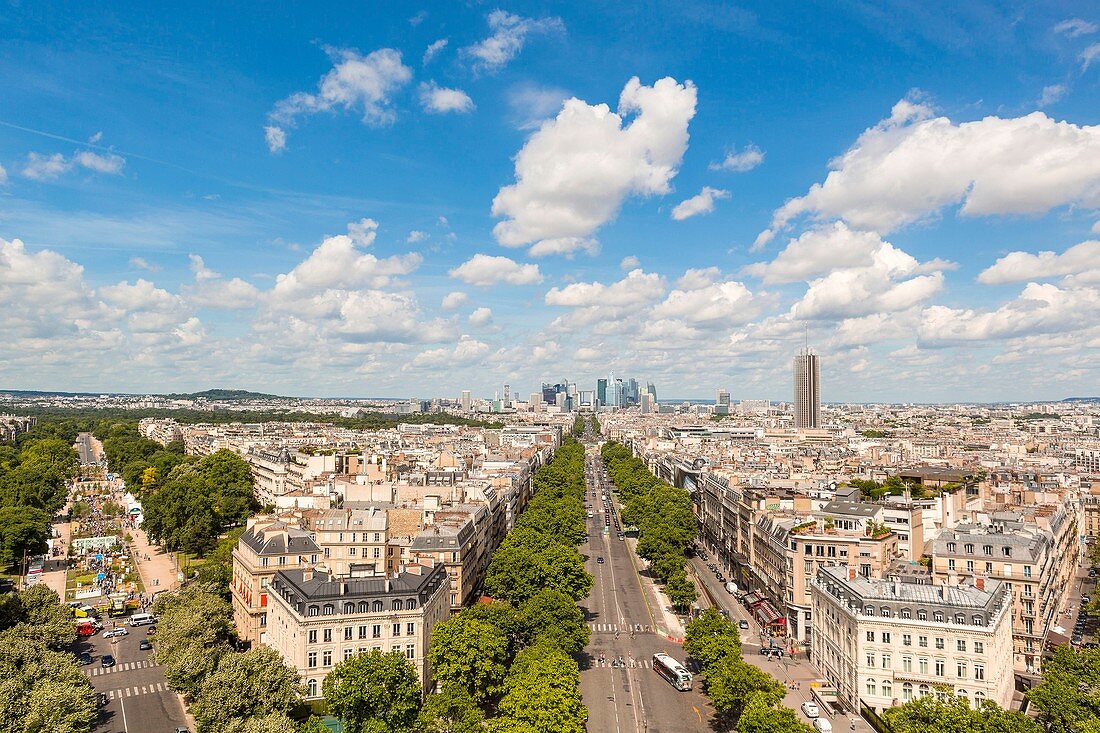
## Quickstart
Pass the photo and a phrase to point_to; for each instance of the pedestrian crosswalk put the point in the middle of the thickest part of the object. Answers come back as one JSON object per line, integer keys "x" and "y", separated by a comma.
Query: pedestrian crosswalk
{"x": 628, "y": 663}
{"x": 123, "y": 667}
{"x": 136, "y": 691}
{"x": 620, "y": 628}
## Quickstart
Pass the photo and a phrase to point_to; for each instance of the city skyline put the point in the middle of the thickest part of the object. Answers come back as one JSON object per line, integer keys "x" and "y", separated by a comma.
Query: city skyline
{"x": 360, "y": 201}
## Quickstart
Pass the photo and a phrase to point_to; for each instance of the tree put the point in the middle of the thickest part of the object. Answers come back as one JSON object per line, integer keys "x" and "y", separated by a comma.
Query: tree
{"x": 760, "y": 716}
{"x": 542, "y": 690}
{"x": 710, "y": 637}
{"x": 269, "y": 723}
{"x": 217, "y": 570}
{"x": 930, "y": 714}
{"x": 732, "y": 681}
{"x": 680, "y": 590}
{"x": 471, "y": 654}
{"x": 42, "y": 690}
{"x": 23, "y": 533}
{"x": 551, "y": 617}
{"x": 245, "y": 685}
{"x": 451, "y": 711}
{"x": 503, "y": 616}
{"x": 1069, "y": 694}
{"x": 192, "y": 636}
{"x": 374, "y": 691}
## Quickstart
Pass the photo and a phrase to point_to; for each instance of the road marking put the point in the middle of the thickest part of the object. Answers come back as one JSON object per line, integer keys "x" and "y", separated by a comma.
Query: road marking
{"x": 125, "y": 727}
{"x": 142, "y": 689}
{"x": 697, "y": 713}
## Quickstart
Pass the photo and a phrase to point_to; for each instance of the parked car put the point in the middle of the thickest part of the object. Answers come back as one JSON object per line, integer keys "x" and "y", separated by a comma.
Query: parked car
{"x": 145, "y": 645}
{"x": 599, "y": 560}
{"x": 743, "y": 625}
{"x": 85, "y": 658}
{"x": 771, "y": 651}
{"x": 107, "y": 660}
{"x": 821, "y": 725}
{"x": 810, "y": 709}
{"x": 112, "y": 633}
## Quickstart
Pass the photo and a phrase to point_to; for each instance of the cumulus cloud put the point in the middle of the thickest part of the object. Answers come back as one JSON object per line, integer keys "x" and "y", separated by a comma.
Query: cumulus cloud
{"x": 481, "y": 317}
{"x": 142, "y": 264}
{"x": 485, "y": 270}
{"x": 573, "y": 174}
{"x": 433, "y": 50}
{"x": 41, "y": 167}
{"x": 719, "y": 304}
{"x": 630, "y": 262}
{"x": 416, "y": 236}
{"x": 454, "y": 300}
{"x": 819, "y": 251}
{"x": 1051, "y": 94}
{"x": 211, "y": 290}
{"x": 508, "y": 33}
{"x": 466, "y": 352}
{"x": 1081, "y": 259}
{"x": 275, "y": 138}
{"x": 364, "y": 84}
{"x": 637, "y": 288}
{"x": 883, "y": 286}
{"x": 740, "y": 161}
{"x": 700, "y": 203}
{"x": 912, "y": 164}
{"x": 45, "y": 167}
{"x": 531, "y": 105}
{"x": 110, "y": 163}
{"x": 440, "y": 100}
{"x": 1074, "y": 27}
{"x": 565, "y": 246}
{"x": 1039, "y": 309}
{"x": 696, "y": 278}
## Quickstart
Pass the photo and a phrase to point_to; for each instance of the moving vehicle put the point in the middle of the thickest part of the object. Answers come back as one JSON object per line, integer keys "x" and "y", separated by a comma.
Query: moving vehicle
{"x": 743, "y": 624}
{"x": 142, "y": 619}
{"x": 87, "y": 628}
{"x": 810, "y": 709}
{"x": 731, "y": 588}
{"x": 771, "y": 651}
{"x": 674, "y": 672}
{"x": 821, "y": 725}
{"x": 112, "y": 633}
{"x": 145, "y": 645}
{"x": 599, "y": 560}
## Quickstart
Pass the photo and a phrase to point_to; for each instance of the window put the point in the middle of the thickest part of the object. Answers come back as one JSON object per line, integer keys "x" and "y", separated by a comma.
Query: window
{"x": 312, "y": 611}
{"x": 960, "y": 618}
{"x": 312, "y": 687}
{"x": 979, "y": 647}
{"x": 311, "y": 660}
{"x": 979, "y": 698}
{"x": 362, "y": 632}
{"x": 968, "y": 548}
{"x": 326, "y": 659}
{"x": 885, "y": 637}
{"x": 348, "y": 653}
{"x": 1027, "y": 571}
{"x": 870, "y": 636}
{"x": 263, "y": 619}
{"x": 940, "y": 666}
{"x": 887, "y": 688}
{"x": 328, "y": 636}
{"x": 328, "y": 609}
{"x": 939, "y": 642}
{"x": 960, "y": 670}
{"x": 906, "y": 664}
{"x": 870, "y": 610}
{"x": 410, "y": 628}
{"x": 906, "y": 613}
{"x": 364, "y": 607}
{"x": 937, "y": 616}
{"x": 988, "y": 549}
{"x": 377, "y": 537}
{"x": 923, "y": 690}
{"x": 397, "y": 629}
{"x": 923, "y": 662}
{"x": 377, "y": 552}
{"x": 886, "y": 661}
{"x": 906, "y": 691}
{"x": 313, "y": 636}
{"x": 376, "y": 631}
{"x": 395, "y": 649}
{"x": 410, "y": 651}
{"x": 951, "y": 546}
{"x": 398, "y": 605}
{"x": 886, "y": 612}
{"x": 1006, "y": 551}
{"x": 979, "y": 671}
{"x": 348, "y": 633}
{"x": 872, "y": 689}
{"x": 951, "y": 563}
{"x": 907, "y": 640}
{"x": 351, "y": 552}
{"x": 977, "y": 620}
{"x": 922, "y": 615}
{"x": 327, "y": 553}
{"x": 870, "y": 659}
{"x": 989, "y": 567}
{"x": 922, "y": 641}
{"x": 376, "y": 607}
{"x": 969, "y": 566}
{"x": 263, "y": 562}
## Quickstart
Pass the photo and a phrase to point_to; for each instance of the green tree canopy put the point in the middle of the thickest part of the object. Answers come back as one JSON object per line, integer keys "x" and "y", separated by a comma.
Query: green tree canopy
{"x": 374, "y": 692}
{"x": 245, "y": 685}
{"x": 731, "y": 682}
{"x": 929, "y": 714}
{"x": 469, "y": 653}
{"x": 761, "y": 716}
{"x": 1068, "y": 696}
{"x": 551, "y": 617}
{"x": 710, "y": 637}
{"x": 450, "y": 711}
{"x": 542, "y": 691}
{"x": 192, "y": 636}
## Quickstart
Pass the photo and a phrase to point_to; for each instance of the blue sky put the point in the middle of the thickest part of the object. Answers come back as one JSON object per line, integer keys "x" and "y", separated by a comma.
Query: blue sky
{"x": 366, "y": 200}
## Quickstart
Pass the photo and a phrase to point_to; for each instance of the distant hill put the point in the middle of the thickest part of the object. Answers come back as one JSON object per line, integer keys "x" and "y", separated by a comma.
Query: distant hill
{"x": 225, "y": 395}
{"x": 1081, "y": 399}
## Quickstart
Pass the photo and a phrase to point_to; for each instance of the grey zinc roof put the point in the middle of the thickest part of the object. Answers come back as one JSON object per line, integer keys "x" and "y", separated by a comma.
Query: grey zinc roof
{"x": 267, "y": 543}
{"x": 851, "y": 508}
{"x": 323, "y": 586}
{"x": 919, "y": 594}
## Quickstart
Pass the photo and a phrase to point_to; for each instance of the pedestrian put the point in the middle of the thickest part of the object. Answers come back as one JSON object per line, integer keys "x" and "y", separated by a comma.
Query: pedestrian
{"x": 853, "y": 725}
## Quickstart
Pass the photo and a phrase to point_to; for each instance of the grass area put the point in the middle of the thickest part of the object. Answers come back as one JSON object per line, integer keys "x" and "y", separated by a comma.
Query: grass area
{"x": 188, "y": 563}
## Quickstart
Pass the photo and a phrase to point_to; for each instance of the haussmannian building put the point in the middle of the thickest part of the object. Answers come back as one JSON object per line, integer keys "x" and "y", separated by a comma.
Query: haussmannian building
{"x": 885, "y": 642}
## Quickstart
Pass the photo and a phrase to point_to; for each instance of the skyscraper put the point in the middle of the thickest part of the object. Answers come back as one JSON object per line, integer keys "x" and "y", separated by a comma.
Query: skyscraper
{"x": 601, "y": 391}
{"x": 722, "y": 402}
{"x": 807, "y": 390}
{"x": 466, "y": 402}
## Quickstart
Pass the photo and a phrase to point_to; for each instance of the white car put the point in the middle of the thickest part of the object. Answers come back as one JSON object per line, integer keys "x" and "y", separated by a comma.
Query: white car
{"x": 823, "y": 726}
{"x": 112, "y": 633}
{"x": 810, "y": 709}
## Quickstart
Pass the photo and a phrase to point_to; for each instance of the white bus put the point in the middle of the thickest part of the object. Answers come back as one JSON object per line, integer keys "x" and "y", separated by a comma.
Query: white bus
{"x": 672, "y": 671}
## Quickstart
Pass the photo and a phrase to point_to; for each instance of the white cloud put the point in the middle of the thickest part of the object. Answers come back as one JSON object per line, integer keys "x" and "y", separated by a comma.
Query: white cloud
{"x": 110, "y": 164}
{"x": 275, "y": 138}
{"x": 508, "y": 34}
{"x": 696, "y": 278}
{"x": 3, "y": 175}
{"x": 637, "y": 288}
{"x": 573, "y": 174}
{"x": 1087, "y": 56}
{"x": 700, "y": 203}
{"x": 432, "y": 50}
{"x": 1039, "y": 309}
{"x": 1074, "y": 27}
{"x": 481, "y": 317}
{"x": 202, "y": 272}
{"x": 880, "y": 287}
{"x": 467, "y": 351}
{"x": 484, "y": 270}
{"x": 363, "y": 232}
{"x": 45, "y": 167}
{"x": 1081, "y": 259}
{"x": 533, "y": 105}
{"x": 565, "y": 246}
{"x": 440, "y": 100}
{"x": 630, "y": 262}
{"x": 454, "y": 300}
{"x": 740, "y": 162}
{"x": 819, "y": 251}
{"x": 1051, "y": 94}
{"x": 726, "y": 303}
{"x": 1095, "y": 228}
{"x": 355, "y": 82}
{"x": 416, "y": 236}
{"x": 212, "y": 291}
{"x": 142, "y": 264}
{"x": 912, "y": 165}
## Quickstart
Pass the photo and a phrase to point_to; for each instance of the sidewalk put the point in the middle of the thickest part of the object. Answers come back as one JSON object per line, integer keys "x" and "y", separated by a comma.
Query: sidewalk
{"x": 665, "y": 620}
{"x": 56, "y": 579}
{"x": 158, "y": 572}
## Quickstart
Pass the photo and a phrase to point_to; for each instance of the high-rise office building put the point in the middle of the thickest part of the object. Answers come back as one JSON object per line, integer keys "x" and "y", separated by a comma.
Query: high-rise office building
{"x": 601, "y": 391}
{"x": 722, "y": 402}
{"x": 807, "y": 390}
{"x": 467, "y": 402}
{"x": 647, "y": 403}
{"x": 536, "y": 401}
{"x": 652, "y": 390}
{"x": 507, "y": 394}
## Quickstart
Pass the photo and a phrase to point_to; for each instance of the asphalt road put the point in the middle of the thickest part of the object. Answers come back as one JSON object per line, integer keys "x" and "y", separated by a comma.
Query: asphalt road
{"x": 138, "y": 698}
{"x": 632, "y": 697}
{"x": 85, "y": 450}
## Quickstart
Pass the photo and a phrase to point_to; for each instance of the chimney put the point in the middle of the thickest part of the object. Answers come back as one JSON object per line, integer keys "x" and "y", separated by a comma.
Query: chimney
{"x": 979, "y": 582}
{"x": 952, "y": 578}
{"x": 896, "y": 582}
{"x": 851, "y": 573}
{"x": 307, "y": 574}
